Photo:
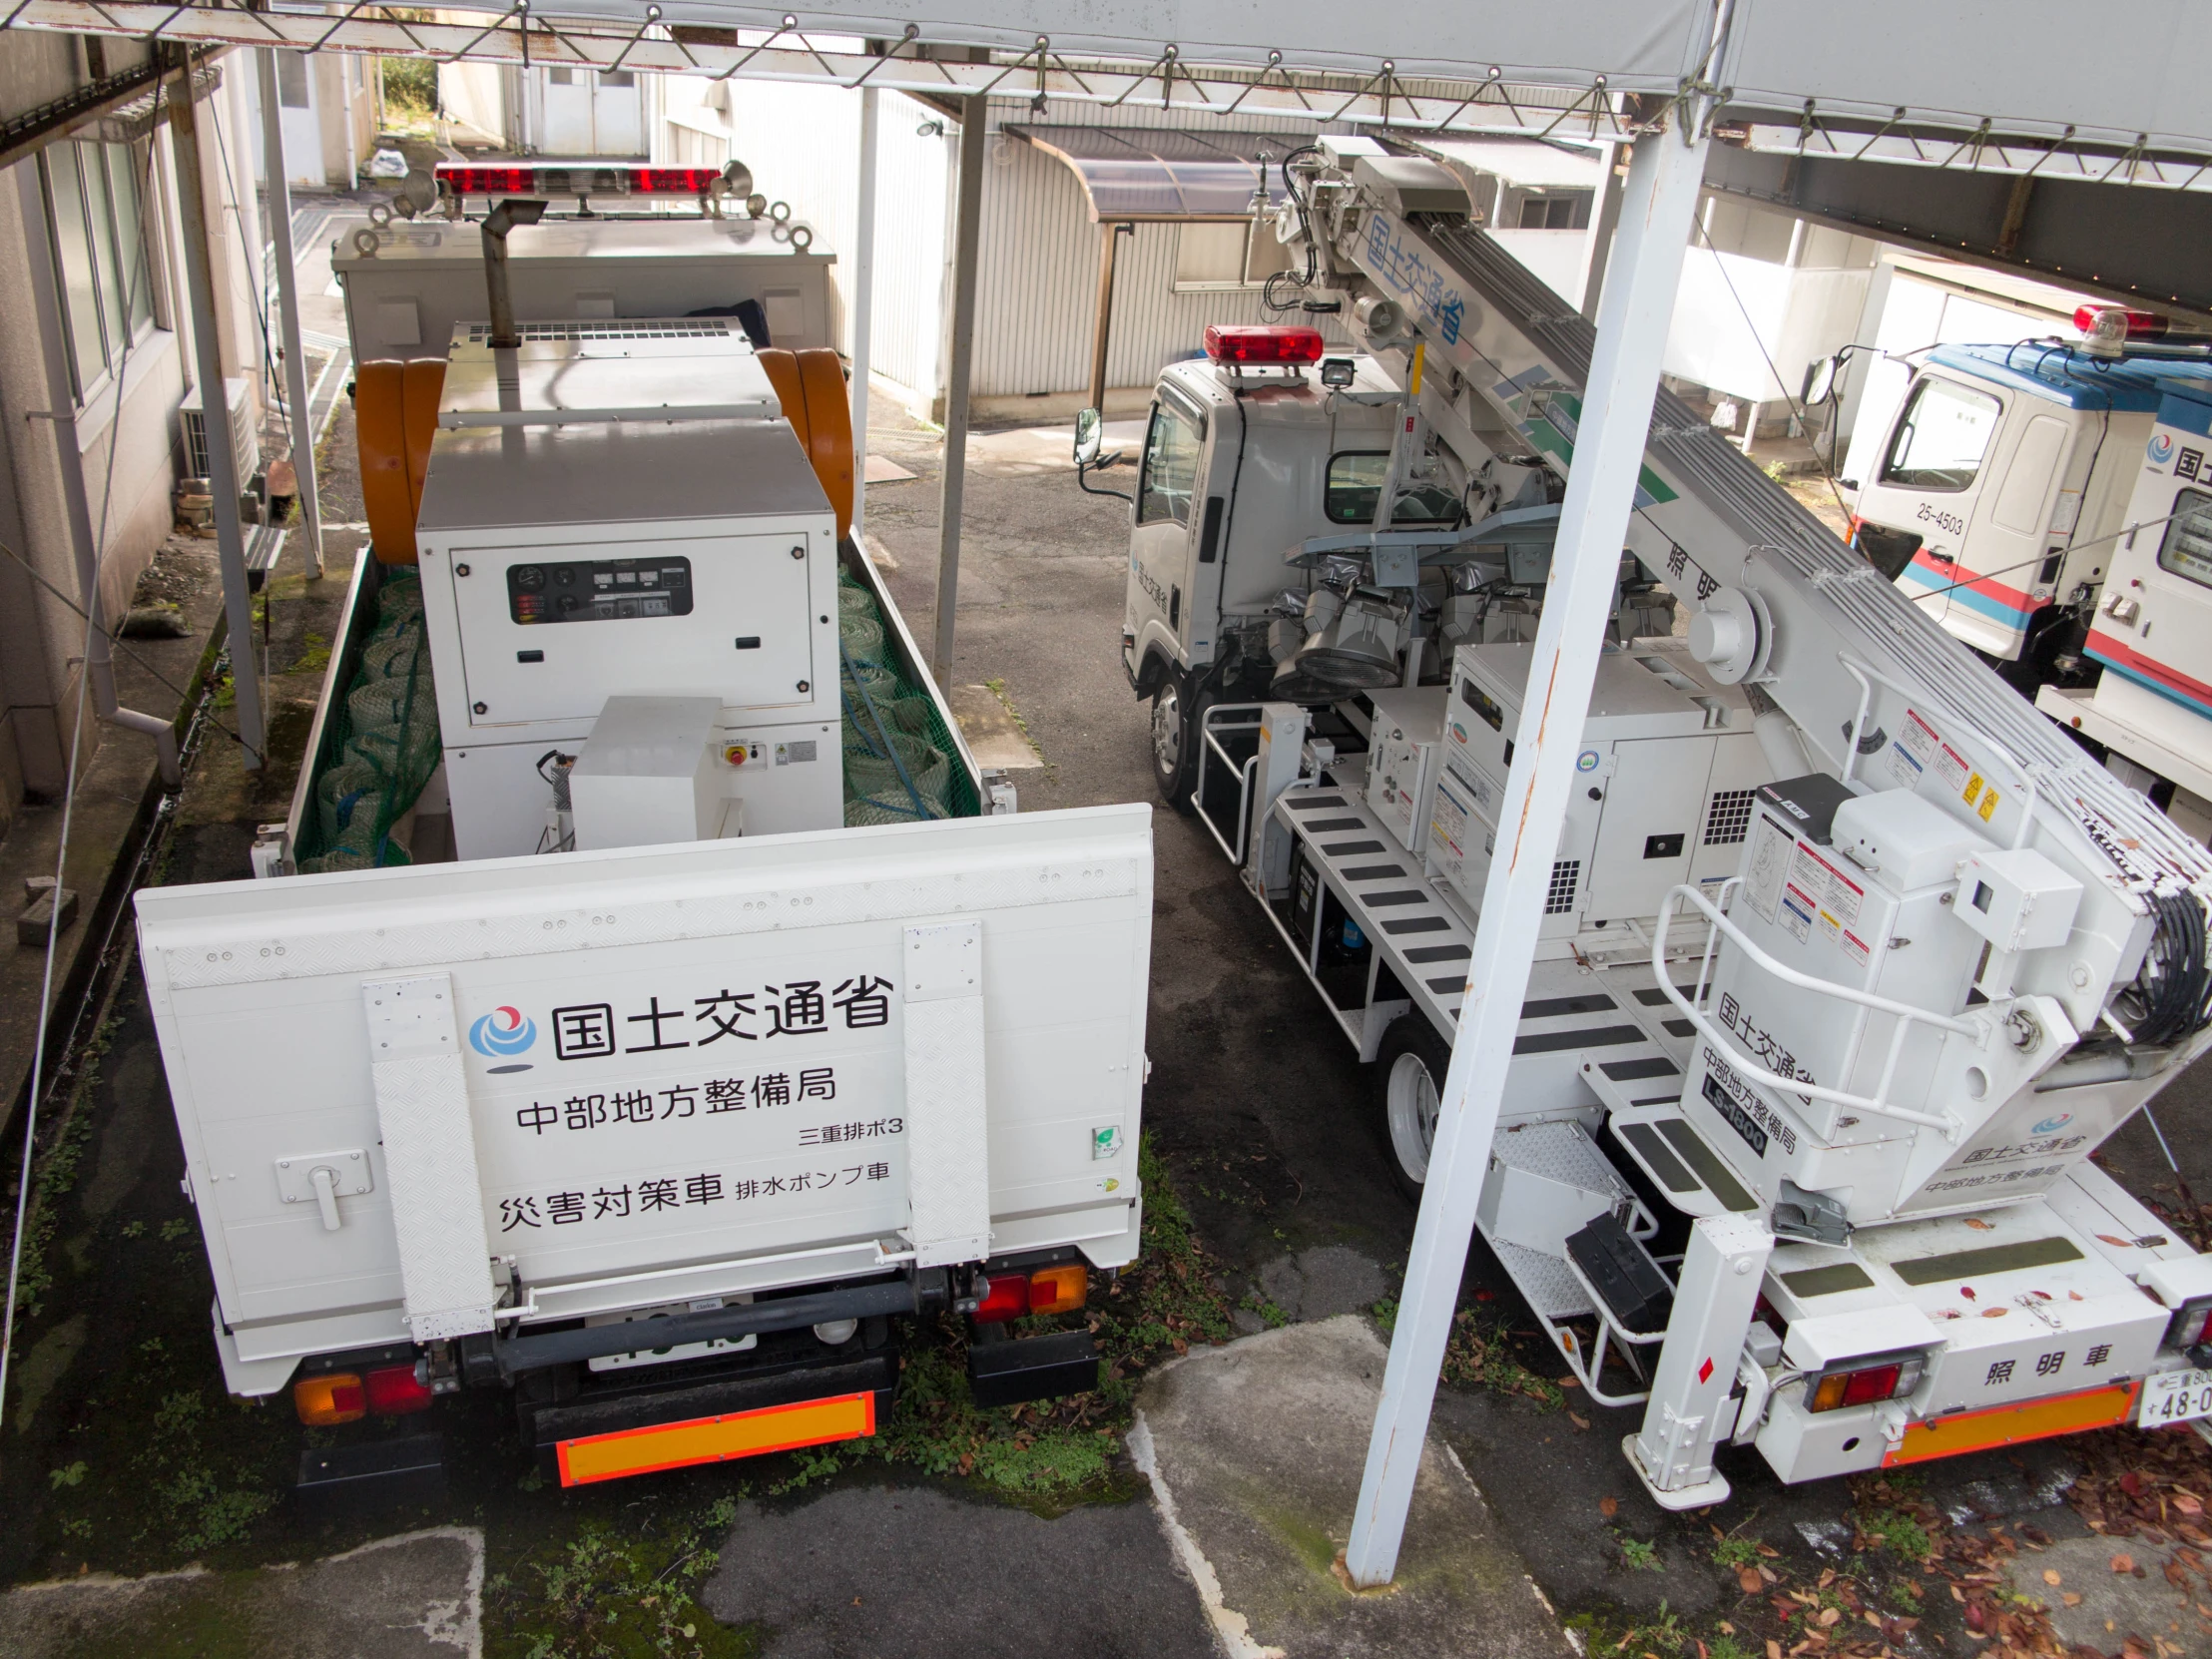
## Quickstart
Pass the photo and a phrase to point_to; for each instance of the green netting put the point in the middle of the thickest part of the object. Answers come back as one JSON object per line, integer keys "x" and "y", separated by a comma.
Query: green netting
{"x": 380, "y": 742}
{"x": 900, "y": 762}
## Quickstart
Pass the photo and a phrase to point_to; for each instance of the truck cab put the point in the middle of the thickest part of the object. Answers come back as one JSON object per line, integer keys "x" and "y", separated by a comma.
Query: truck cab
{"x": 2036, "y": 500}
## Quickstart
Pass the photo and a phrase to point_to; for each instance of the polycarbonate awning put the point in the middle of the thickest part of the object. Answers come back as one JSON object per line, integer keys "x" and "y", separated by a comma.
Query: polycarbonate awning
{"x": 1152, "y": 173}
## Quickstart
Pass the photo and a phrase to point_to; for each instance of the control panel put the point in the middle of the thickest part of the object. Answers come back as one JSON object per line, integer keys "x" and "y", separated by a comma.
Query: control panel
{"x": 598, "y": 590}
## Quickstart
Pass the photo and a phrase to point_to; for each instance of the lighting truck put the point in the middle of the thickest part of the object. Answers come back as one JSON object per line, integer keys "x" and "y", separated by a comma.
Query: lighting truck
{"x": 1849, "y": 957}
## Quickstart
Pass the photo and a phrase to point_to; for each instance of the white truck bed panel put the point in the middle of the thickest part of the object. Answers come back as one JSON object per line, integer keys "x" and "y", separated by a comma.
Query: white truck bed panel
{"x": 680, "y": 1062}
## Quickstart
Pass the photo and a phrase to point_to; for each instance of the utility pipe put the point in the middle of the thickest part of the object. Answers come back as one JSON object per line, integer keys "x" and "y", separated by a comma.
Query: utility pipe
{"x": 193, "y": 213}
{"x": 1102, "y": 327}
{"x": 288, "y": 308}
{"x": 967, "y": 234}
{"x": 61, "y": 403}
{"x": 864, "y": 304}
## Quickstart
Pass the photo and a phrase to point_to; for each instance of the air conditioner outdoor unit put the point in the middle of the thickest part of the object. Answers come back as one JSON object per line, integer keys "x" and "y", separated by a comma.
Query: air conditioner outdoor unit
{"x": 244, "y": 439}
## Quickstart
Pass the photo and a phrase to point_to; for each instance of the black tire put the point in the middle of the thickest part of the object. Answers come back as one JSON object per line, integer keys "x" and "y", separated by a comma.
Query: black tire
{"x": 1174, "y": 738}
{"x": 1414, "y": 1058}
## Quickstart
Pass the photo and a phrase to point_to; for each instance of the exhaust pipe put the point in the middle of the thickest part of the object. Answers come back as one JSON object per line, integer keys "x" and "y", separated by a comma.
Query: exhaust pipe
{"x": 502, "y": 219}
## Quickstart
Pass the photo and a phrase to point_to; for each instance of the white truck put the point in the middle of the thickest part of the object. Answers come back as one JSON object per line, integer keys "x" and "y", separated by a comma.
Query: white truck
{"x": 2048, "y": 503}
{"x": 1851, "y": 957}
{"x": 665, "y": 1011}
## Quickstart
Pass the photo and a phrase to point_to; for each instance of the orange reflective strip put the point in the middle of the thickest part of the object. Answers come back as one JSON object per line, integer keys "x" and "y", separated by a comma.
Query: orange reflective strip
{"x": 673, "y": 1445}
{"x": 2034, "y": 1420}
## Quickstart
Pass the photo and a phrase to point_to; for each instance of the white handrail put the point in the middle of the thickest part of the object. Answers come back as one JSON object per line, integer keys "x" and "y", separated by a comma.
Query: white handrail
{"x": 1904, "y": 1014}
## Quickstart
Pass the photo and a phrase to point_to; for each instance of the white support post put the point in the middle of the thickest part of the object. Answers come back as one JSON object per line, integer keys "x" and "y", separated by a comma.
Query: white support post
{"x": 864, "y": 304}
{"x": 279, "y": 197}
{"x": 192, "y": 217}
{"x": 1665, "y": 171}
{"x": 1715, "y": 1295}
{"x": 968, "y": 237}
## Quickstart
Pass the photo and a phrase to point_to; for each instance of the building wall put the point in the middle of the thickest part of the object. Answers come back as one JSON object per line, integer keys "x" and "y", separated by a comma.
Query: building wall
{"x": 126, "y": 424}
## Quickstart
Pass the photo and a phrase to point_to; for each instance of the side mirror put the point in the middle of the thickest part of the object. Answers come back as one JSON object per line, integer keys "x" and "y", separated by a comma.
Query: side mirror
{"x": 1090, "y": 433}
{"x": 1820, "y": 381}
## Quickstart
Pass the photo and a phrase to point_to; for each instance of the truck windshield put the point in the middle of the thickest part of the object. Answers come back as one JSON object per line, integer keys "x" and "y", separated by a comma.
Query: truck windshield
{"x": 1941, "y": 439}
{"x": 2187, "y": 547}
{"x": 1170, "y": 468}
{"x": 1354, "y": 480}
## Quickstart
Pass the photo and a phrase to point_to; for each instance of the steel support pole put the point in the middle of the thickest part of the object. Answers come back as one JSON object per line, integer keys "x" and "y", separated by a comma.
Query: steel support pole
{"x": 279, "y": 197}
{"x": 1664, "y": 174}
{"x": 864, "y": 304}
{"x": 1102, "y": 327}
{"x": 193, "y": 214}
{"x": 967, "y": 234}
{"x": 1601, "y": 233}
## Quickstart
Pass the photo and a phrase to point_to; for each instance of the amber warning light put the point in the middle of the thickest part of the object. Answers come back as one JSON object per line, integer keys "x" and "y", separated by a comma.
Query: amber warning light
{"x": 1230, "y": 342}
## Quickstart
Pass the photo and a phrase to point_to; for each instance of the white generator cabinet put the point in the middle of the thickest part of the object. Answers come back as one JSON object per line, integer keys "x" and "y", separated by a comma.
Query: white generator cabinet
{"x": 550, "y": 1089}
{"x": 625, "y": 513}
{"x": 647, "y": 773}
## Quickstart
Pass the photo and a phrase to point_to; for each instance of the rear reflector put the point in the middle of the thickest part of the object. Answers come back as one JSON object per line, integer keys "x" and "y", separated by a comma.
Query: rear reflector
{"x": 675, "y": 1446}
{"x": 332, "y": 1397}
{"x": 1059, "y": 1290}
{"x": 393, "y": 1391}
{"x": 2001, "y": 1426}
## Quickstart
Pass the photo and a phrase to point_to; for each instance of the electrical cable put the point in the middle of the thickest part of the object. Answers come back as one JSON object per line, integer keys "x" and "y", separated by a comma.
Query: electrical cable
{"x": 24, "y": 1176}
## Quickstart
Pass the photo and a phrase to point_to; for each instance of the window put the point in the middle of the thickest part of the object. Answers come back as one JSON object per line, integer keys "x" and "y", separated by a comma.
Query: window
{"x": 1226, "y": 256}
{"x": 2187, "y": 547}
{"x": 292, "y": 80}
{"x": 560, "y": 77}
{"x": 1563, "y": 210}
{"x": 1355, "y": 478}
{"x": 93, "y": 200}
{"x": 1941, "y": 439}
{"x": 1169, "y": 467}
{"x": 617, "y": 79}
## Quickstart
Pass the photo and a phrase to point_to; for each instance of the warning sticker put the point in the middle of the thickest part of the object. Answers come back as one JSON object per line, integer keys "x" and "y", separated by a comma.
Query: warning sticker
{"x": 1447, "y": 823}
{"x": 1797, "y": 912}
{"x": 1903, "y": 768}
{"x": 1988, "y": 804}
{"x": 1918, "y": 740}
{"x": 1973, "y": 789}
{"x": 1856, "y": 947}
{"x": 1830, "y": 885}
{"x": 1769, "y": 858}
{"x": 1951, "y": 766}
{"x": 1830, "y": 926}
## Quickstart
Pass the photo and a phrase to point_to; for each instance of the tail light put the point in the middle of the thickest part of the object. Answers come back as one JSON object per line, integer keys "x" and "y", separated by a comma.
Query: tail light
{"x": 1056, "y": 1290}
{"x": 396, "y": 1390}
{"x": 2191, "y": 1323}
{"x": 1007, "y": 1298}
{"x": 1865, "y": 1382}
{"x": 330, "y": 1397}
{"x": 1059, "y": 1290}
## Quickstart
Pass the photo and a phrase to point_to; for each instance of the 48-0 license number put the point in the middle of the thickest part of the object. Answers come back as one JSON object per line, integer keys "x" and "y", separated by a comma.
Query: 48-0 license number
{"x": 2175, "y": 1396}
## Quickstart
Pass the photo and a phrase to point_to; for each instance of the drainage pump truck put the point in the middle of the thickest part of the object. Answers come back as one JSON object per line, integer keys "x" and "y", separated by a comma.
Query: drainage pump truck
{"x": 654, "y": 1008}
{"x": 1851, "y": 957}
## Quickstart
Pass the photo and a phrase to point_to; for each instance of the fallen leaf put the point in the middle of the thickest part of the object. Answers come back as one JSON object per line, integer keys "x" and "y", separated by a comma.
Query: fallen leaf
{"x": 1724, "y": 1627}
{"x": 2069, "y": 1598}
{"x": 1993, "y": 1313}
{"x": 1749, "y": 1580}
{"x": 1579, "y": 1422}
{"x": 1967, "y": 1291}
{"x": 1977, "y": 1224}
{"x": 2050, "y": 1575}
{"x": 2188, "y": 1506}
{"x": 1769, "y": 1551}
{"x": 1767, "y": 1575}
{"x": 1611, "y": 1506}
{"x": 1829, "y": 1617}
{"x": 1774, "y": 1649}
{"x": 2123, "y": 1563}
{"x": 1568, "y": 1382}
{"x": 2106, "y": 1238}
{"x": 2074, "y": 1295}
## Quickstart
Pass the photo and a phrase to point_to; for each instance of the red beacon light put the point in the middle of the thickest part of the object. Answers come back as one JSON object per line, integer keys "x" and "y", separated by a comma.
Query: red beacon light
{"x": 586, "y": 179}
{"x": 1262, "y": 345}
{"x": 2106, "y": 331}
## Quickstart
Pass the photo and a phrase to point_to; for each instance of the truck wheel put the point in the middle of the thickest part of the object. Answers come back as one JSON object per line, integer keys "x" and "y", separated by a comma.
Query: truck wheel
{"x": 1174, "y": 741}
{"x": 1410, "y": 1080}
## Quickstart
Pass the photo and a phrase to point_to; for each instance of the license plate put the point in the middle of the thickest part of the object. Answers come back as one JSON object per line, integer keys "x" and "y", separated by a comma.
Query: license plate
{"x": 2175, "y": 1396}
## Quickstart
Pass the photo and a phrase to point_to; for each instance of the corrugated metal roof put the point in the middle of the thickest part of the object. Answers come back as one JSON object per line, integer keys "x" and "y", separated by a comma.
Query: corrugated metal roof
{"x": 1167, "y": 172}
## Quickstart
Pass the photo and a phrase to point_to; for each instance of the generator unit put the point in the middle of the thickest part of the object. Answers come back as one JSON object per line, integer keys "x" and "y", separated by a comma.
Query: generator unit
{"x": 626, "y": 515}
{"x": 1403, "y": 751}
{"x": 1663, "y": 788}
